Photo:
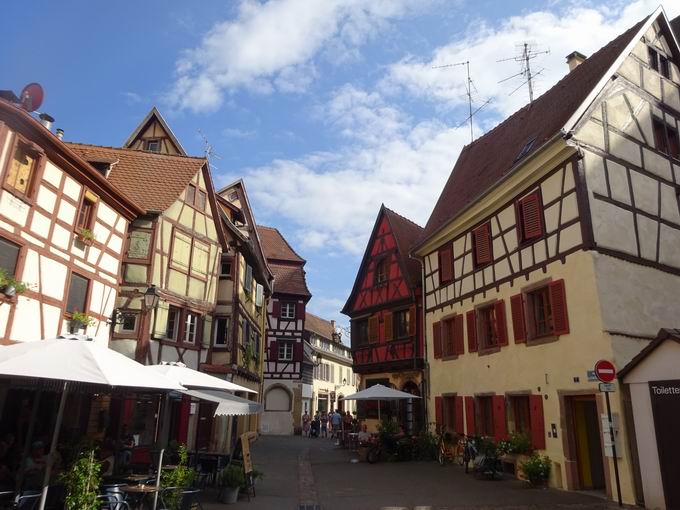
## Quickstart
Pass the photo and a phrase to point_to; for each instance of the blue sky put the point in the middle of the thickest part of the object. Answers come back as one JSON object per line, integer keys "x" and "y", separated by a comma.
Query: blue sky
{"x": 326, "y": 108}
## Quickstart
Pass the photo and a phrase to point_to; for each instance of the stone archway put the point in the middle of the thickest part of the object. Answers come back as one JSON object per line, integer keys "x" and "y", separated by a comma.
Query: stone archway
{"x": 277, "y": 418}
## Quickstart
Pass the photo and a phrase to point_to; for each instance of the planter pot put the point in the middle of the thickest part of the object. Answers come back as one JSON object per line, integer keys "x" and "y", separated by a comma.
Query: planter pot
{"x": 77, "y": 328}
{"x": 10, "y": 291}
{"x": 229, "y": 495}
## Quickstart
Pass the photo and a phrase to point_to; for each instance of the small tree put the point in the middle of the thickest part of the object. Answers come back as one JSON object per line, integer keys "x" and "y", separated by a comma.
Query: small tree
{"x": 82, "y": 483}
{"x": 182, "y": 476}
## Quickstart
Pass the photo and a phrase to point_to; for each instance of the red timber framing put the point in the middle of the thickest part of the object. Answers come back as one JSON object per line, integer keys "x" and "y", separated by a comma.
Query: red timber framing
{"x": 384, "y": 305}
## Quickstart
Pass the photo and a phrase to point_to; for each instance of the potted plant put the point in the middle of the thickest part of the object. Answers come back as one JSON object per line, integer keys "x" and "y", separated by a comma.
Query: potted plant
{"x": 85, "y": 235}
{"x": 181, "y": 476}
{"x": 536, "y": 469}
{"x": 82, "y": 483}
{"x": 232, "y": 480}
{"x": 14, "y": 287}
{"x": 80, "y": 321}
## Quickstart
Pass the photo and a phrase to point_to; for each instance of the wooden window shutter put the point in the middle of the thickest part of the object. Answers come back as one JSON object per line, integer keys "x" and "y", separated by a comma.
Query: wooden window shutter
{"x": 439, "y": 412}
{"x": 558, "y": 306}
{"x": 472, "y": 331}
{"x": 412, "y": 318}
{"x": 276, "y": 309}
{"x": 500, "y": 430}
{"x": 297, "y": 351}
{"x": 519, "y": 328}
{"x": 447, "y": 337}
{"x": 458, "y": 335}
{"x": 460, "y": 427}
{"x": 536, "y": 422}
{"x": 446, "y": 264}
{"x": 531, "y": 216}
{"x": 437, "y": 339}
{"x": 501, "y": 323}
{"x": 388, "y": 320}
{"x": 373, "y": 330}
{"x": 299, "y": 310}
{"x": 470, "y": 416}
{"x": 481, "y": 238}
{"x": 273, "y": 350}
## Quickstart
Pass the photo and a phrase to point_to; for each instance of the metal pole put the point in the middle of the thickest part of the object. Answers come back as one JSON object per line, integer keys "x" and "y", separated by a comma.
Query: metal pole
{"x": 53, "y": 447}
{"x": 158, "y": 479}
{"x": 27, "y": 442}
{"x": 613, "y": 440}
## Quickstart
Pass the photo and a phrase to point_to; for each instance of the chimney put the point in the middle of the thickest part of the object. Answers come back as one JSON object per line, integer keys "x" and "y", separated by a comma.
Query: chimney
{"x": 60, "y": 133}
{"x": 46, "y": 120}
{"x": 574, "y": 59}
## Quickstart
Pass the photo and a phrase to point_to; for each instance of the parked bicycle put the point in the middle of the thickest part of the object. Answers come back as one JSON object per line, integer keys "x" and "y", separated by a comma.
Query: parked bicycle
{"x": 451, "y": 449}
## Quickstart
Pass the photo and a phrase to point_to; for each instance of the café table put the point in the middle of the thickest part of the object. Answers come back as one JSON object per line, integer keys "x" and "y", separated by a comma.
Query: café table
{"x": 138, "y": 493}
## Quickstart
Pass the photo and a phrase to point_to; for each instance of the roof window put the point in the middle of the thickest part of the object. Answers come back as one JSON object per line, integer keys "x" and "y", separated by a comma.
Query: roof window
{"x": 525, "y": 150}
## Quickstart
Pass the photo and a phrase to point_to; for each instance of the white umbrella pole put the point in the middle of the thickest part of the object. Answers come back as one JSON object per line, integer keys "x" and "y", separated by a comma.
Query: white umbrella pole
{"x": 158, "y": 479}
{"x": 53, "y": 447}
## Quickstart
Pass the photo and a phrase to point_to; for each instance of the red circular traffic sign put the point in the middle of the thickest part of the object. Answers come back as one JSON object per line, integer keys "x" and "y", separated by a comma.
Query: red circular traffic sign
{"x": 605, "y": 371}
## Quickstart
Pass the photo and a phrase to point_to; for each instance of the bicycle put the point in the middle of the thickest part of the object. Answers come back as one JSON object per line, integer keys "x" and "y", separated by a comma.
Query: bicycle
{"x": 446, "y": 454}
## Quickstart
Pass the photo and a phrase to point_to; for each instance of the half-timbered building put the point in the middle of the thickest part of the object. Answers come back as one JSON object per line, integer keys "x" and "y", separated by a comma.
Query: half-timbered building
{"x": 285, "y": 362}
{"x": 555, "y": 244}
{"x": 386, "y": 316}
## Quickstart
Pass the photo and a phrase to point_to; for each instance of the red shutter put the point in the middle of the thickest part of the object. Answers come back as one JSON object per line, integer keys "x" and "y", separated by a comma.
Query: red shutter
{"x": 501, "y": 323}
{"x": 472, "y": 331}
{"x": 470, "y": 416}
{"x": 458, "y": 335}
{"x": 558, "y": 305}
{"x": 537, "y": 424}
{"x": 373, "y": 329}
{"x": 273, "y": 350}
{"x": 447, "y": 337}
{"x": 128, "y": 410}
{"x": 519, "y": 328}
{"x": 299, "y": 310}
{"x": 183, "y": 420}
{"x": 439, "y": 412}
{"x": 481, "y": 238}
{"x": 412, "y": 321}
{"x": 276, "y": 309}
{"x": 446, "y": 264}
{"x": 460, "y": 428}
{"x": 437, "y": 339}
{"x": 500, "y": 430}
{"x": 297, "y": 351}
{"x": 530, "y": 211}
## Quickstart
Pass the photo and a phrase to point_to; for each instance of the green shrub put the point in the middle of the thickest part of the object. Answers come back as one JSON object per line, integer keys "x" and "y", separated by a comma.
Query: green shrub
{"x": 181, "y": 476}
{"x": 82, "y": 482}
{"x": 521, "y": 443}
{"x": 537, "y": 469}
{"x": 233, "y": 477}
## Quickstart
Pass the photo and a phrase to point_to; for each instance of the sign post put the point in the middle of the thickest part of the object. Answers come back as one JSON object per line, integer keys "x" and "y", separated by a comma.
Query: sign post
{"x": 606, "y": 372}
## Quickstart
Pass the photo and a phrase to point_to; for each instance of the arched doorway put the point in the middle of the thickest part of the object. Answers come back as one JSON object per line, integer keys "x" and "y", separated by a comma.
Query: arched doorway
{"x": 412, "y": 410}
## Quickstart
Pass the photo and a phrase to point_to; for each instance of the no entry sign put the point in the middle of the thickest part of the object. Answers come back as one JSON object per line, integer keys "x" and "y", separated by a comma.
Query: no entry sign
{"x": 605, "y": 371}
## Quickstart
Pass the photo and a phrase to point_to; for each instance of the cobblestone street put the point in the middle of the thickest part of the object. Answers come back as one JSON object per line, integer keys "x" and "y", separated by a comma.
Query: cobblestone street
{"x": 301, "y": 473}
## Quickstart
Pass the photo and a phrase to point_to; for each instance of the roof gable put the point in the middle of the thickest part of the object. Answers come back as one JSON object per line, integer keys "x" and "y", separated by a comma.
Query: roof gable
{"x": 276, "y": 247}
{"x": 153, "y": 126}
{"x": 320, "y": 326}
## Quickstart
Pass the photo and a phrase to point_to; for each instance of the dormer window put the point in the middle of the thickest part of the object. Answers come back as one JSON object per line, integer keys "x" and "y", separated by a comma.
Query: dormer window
{"x": 152, "y": 145}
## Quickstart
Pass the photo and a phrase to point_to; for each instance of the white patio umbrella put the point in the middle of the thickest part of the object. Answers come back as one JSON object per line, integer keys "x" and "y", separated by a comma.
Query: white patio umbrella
{"x": 228, "y": 404}
{"x": 74, "y": 358}
{"x": 190, "y": 378}
{"x": 379, "y": 392}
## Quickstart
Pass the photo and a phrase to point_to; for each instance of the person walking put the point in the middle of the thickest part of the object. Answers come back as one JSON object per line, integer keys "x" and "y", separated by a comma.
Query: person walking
{"x": 324, "y": 424}
{"x": 336, "y": 422}
{"x": 306, "y": 419}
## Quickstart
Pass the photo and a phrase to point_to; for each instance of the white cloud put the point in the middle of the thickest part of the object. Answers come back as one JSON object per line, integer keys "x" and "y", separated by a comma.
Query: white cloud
{"x": 271, "y": 45}
{"x": 570, "y": 27}
{"x": 238, "y": 133}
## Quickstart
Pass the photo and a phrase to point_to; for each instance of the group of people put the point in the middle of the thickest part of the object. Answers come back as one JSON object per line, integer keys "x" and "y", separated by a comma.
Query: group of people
{"x": 321, "y": 424}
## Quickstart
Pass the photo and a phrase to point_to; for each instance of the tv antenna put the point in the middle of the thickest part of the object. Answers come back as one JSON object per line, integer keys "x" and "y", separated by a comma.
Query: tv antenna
{"x": 469, "y": 85}
{"x": 526, "y": 53}
{"x": 209, "y": 150}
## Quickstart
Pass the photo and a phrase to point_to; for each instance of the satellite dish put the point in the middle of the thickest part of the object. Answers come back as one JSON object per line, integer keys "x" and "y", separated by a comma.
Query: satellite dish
{"x": 31, "y": 97}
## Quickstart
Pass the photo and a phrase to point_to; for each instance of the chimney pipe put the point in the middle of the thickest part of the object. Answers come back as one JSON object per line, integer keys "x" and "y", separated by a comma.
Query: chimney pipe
{"x": 575, "y": 59}
{"x": 46, "y": 120}
{"x": 60, "y": 133}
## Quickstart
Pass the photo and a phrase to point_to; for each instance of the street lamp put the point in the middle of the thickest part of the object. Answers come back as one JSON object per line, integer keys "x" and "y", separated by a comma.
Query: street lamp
{"x": 151, "y": 297}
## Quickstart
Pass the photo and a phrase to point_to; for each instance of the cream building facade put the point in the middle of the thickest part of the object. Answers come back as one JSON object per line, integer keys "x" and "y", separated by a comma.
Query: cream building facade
{"x": 555, "y": 244}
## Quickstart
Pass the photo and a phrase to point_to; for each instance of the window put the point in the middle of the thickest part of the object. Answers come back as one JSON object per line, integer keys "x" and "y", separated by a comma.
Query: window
{"x": 360, "y": 332}
{"x": 9, "y": 253}
{"x": 540, "y": 313}
{"x": 129, "y": 322}
{"x": 285, "y": 350}
{"x": 190, "y": 327}
{"x": 77, "y": 294}
{"x": 201, "y": 200}
{"x": 22, "y": 168}
{"x": 171, "y": 330}
{"x": 666, "y": 138}
{"x": 448, "y": 337}
{"x": 287, "y": 310}
{"x": 481, "y": 242}
{"x": 658, "y": 62}
{"x": 530, "y": 217}
{"x": 248, "y": 280}
{"x": 225, "y": 269}
{"x": 259, "y": 295}
{"x": 191, "y": 194}
{"x": 380, "y": 272}
{"x": 520, "y": 415}
{"x": 487, "y": 329}
{"x": 402, "y": 326}
{"x": 450, "y": 414}
{"x": 86, "y": 214}
{"x": 485, "y": 416}
{"x": 221, "y": 332}
{"x": 526, "y": 149}
{"x": 546, "y": 312}
{"x": 664, "y": 67}
{"x": 153, "y": 146}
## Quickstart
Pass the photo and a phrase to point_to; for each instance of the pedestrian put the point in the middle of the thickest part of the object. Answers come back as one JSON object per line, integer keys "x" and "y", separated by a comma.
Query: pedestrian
{"x": 336, "y": 422}
{"x": 316, "y": 424}
{"x": 324, "y": 424}
{"x": 306, "y": 419}
{"x": 347, "y": 422}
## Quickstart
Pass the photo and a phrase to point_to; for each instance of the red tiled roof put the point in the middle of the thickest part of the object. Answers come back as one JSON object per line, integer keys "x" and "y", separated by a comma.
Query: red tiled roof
{"x": 489, "y": 158}
{"x": 317, "y": 325}
{"x": 275, "y": 246}
{"x": 153, "y": 180}
{"x": 289, "y": 279}
{"x": 407, "y": 233}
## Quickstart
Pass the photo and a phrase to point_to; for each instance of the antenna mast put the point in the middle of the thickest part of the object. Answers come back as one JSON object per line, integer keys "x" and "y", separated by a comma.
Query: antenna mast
{"x": 524, "y": 58}
{"x": 208, "y": 149}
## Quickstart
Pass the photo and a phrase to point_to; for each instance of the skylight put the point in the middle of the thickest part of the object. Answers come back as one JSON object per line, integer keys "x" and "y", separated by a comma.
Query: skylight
{"x": 525, "y": 150}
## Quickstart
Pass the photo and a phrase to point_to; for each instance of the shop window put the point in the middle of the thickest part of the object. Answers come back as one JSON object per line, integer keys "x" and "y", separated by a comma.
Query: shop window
{"x": 402, "y": 326}
{"x": 288, "y": 310}
{"x": 666, "y": 138}
{"x": 22, "y": 169}
{"x": 530, "y": 217}
{"x": 172, "y": 328}
{"x": 9, "y": 254}
{"x": 221, "y": 332}
{"x": 520, "y": 415}
{"x": 77, "y": 294}
{"x": 190, "y": 328}
{"x": 481, "y": 242}
{"x": 380, "y": 271}
{"x": 485, "y": 416}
